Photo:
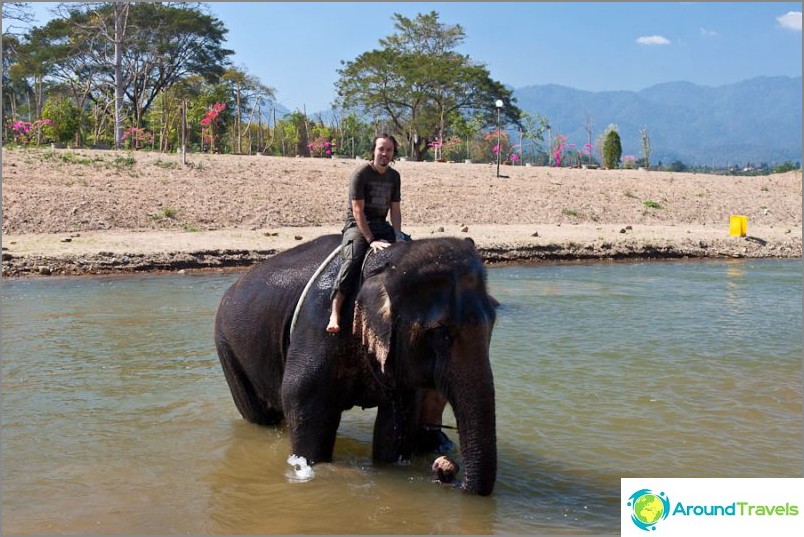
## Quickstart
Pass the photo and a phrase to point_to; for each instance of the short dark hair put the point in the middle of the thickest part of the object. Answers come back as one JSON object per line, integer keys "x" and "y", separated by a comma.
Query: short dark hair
{"x": 387, "y": 137}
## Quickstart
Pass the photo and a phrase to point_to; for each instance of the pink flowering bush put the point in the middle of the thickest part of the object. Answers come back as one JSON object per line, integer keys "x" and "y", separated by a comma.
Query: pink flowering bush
{"x": 26, "y": 132}
{"x": 558, "y": 149}
{"x": 629, "y": 162}
{"x": 137, "y": 138}
{"x": 491, "y": 139}
{"x": 209, "y": 125}
{"x": 321, "y": 147}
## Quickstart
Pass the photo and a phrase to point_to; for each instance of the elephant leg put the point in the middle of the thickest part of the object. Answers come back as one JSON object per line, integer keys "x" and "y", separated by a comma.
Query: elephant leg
{"x": 250, "y": 405}
{"x": 312, "y": 415}
{"x": 395, "y": 429}
{"x": 313, "y": 432}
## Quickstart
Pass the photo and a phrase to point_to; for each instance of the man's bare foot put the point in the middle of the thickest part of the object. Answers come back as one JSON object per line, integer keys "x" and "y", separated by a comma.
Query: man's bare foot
{"x": 333, "y": 327}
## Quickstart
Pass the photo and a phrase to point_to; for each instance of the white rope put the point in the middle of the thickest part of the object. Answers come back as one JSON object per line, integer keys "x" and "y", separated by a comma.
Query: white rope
{"x": 315, "y": 275}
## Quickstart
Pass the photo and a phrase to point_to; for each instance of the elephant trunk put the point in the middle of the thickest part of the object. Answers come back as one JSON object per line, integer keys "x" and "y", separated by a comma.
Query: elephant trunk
{"x": 471, "y": 395}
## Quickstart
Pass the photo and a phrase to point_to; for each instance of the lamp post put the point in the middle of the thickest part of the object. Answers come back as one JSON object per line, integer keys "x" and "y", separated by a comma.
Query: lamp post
{"x": 499, "y": 105}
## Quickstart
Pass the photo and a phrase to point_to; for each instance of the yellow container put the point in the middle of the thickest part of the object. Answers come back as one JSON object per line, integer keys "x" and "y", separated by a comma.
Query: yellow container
{"x": 738, "y": 225}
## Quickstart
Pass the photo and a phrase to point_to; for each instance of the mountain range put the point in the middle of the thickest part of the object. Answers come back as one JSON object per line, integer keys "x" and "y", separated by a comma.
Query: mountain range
{"x": 754, "y": 121}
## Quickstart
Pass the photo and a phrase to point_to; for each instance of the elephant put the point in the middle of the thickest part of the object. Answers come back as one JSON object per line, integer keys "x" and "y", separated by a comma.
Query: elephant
{"x": 415, "y": 335}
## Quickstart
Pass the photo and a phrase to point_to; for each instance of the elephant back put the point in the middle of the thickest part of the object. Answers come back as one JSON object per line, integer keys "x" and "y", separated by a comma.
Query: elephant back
{"x": 411, "y": 256}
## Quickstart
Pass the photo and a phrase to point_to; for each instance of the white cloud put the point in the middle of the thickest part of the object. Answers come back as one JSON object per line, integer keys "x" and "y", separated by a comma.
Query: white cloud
{"x": 708, "y": 33}
{"x": 790, "y": 20}
{"x": 653, "y": 40}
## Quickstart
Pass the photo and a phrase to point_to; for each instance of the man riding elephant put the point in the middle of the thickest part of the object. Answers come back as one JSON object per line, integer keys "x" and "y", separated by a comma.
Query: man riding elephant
{"x": 374, "y": 190}
{"x": 414, "y": 336}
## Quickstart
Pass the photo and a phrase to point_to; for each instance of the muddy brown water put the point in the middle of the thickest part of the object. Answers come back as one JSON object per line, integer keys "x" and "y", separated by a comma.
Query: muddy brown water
{"x": 116, "y": 417}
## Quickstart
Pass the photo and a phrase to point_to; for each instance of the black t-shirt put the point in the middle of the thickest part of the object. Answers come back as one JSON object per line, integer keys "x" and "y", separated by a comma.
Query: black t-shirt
{"x": 377, "y": 190}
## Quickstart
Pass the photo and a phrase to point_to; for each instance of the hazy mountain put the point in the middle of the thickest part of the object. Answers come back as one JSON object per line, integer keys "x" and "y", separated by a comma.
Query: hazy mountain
{"x": 757, "y": 120}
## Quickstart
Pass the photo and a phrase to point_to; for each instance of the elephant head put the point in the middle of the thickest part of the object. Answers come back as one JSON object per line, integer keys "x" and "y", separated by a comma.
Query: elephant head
{"x": 424, "y": 315}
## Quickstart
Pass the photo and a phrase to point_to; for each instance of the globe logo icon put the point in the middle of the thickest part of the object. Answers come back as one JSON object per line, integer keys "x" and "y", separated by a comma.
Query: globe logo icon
{"x": 648, "y": 508}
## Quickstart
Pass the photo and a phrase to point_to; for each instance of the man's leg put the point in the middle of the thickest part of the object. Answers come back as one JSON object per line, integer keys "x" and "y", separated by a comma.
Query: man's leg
{"x": 353, "y": 250}
{"x": 334, "y": 325}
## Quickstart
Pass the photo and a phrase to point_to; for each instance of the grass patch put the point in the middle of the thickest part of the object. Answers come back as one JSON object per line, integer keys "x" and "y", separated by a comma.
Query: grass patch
{"x": 121, "y": 162}
{"x": 166, "y": 164}
{"x": 166, "y": 213}
{"x": 71, "y": 157}
{"x": 652, "y": 204}
{"x": 569, "y": 212}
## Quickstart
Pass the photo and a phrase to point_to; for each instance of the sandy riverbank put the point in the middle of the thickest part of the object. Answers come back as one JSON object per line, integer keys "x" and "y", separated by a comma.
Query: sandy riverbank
{"x": 71, "y": 212}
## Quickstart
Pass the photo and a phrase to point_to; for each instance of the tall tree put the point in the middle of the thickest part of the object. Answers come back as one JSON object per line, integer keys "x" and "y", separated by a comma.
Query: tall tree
{"x": 168, "y": 42}
{"x": 73, "y": 60}
{"x": 13, "y": 86}
{"x": 417, "y": 81}
{"x": 161, "y": 44}
{"x": 249, "y": 93}
{"x": 120, "y": 17}
{"x": 612, "y": 147}
{"x": 88, "y": 22}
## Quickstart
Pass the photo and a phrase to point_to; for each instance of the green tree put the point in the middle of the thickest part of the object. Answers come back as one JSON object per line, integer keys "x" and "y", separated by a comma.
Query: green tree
{"x": 286, "y": 136}
{"x": 612, "y": 148}
{"x": 534, "y": 128}
{"x": 71, "y": 61}
{"x": 163, "y": 43}
{"x": 468, "y": 128}
{"x": 416, "y": 82}
{"x": 786, "y": 166}
{"x": 15, "y": 88}
{"x": 66, "y": 118}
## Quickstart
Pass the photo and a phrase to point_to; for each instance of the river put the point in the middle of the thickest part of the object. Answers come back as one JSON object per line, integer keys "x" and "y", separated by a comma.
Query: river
{"x": 117, "y": 418}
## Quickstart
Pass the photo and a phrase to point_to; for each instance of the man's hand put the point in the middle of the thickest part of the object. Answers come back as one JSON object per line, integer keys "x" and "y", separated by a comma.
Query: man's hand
{"x": 376, "y": 246}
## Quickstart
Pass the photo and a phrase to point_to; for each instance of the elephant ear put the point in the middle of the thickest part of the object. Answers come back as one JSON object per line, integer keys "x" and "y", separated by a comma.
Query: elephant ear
{"x": 373, "y": 321}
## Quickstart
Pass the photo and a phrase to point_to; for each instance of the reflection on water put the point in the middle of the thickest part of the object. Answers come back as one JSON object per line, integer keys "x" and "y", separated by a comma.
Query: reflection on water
{"x": 117, "y": 418}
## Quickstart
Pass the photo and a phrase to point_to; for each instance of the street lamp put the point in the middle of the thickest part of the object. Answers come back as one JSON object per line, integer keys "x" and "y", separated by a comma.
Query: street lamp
{"x": 499, "y": 105}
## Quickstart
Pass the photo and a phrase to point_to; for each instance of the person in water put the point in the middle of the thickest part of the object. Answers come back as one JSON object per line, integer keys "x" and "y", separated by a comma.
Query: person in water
{"x": 374, "y": 192}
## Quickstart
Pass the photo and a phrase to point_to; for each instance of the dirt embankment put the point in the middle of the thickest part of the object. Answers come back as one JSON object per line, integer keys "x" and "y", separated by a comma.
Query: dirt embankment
{"x": 96, "y": 212}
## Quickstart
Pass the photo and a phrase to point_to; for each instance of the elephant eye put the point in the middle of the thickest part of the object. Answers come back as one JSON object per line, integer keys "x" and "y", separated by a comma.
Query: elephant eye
{"x": 441, "y": 335}
{"x": 469, "y": 281}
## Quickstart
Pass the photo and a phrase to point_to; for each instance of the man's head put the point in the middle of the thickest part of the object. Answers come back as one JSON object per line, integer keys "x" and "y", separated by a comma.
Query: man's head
{"x": 385, "y": 148}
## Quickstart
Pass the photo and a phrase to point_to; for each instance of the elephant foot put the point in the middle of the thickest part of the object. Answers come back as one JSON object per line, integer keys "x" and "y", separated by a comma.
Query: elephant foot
{"x": 444, "y": 470}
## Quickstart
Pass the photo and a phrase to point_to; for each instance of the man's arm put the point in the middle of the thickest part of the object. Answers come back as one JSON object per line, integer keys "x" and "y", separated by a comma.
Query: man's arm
{"x": 358, "y": 211}
{"x": 396, "y": 217}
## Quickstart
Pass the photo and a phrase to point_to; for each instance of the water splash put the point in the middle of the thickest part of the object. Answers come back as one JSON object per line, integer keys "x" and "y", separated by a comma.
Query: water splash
{"x": 301, "y": 472}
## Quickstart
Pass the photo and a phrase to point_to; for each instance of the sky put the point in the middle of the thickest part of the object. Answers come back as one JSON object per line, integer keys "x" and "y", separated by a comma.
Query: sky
{"x": 297, "y": 47}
